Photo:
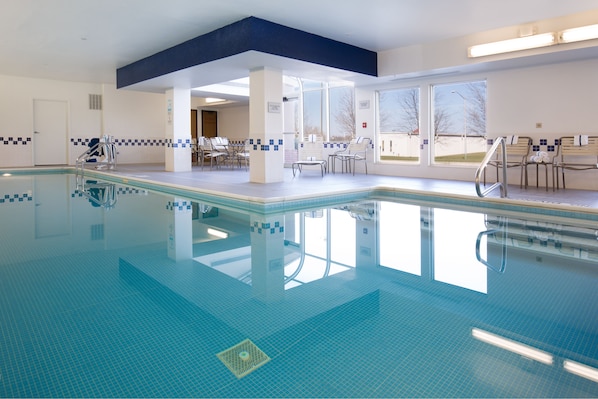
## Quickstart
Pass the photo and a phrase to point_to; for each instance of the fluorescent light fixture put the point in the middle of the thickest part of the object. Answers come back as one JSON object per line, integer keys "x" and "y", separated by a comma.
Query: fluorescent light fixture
{"x": 6, "y": 174}
{"x": 507, "y": 46}
{"x": 581, "y": 370}
{"x": 512, "y": 346}
{"x": 211, "y": 100}
{"x": 217, "y": 233}
{"x": 579, "y": 34}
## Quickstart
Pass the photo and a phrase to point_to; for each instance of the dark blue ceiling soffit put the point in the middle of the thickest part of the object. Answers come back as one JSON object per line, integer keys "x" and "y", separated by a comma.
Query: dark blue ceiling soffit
{"x": 250, "y": 34}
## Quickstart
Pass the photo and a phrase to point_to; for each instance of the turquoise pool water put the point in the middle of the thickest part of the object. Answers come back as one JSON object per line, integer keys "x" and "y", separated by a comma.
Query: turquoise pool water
{"x": 109, "y": 290}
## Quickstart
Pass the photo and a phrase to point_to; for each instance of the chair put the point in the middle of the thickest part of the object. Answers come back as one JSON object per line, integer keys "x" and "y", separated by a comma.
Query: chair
{"x": 355, "y": 151}
{"x": 222, "y": 145}
{"x": 518, "y": 149}
{"x": 207, "y": 151}
{"x": 310, "y": 154}
{"x": 574, "y": 153}
{"x": 242, "y": 154}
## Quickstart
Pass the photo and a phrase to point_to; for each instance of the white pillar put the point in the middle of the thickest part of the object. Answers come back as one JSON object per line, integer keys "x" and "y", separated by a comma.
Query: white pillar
{"x": 265, "y": 126}
{"x": 178, "y": 130}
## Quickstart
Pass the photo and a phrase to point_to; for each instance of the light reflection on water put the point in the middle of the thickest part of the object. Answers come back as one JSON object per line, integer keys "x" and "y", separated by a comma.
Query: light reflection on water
{"x": 110, "y": 290}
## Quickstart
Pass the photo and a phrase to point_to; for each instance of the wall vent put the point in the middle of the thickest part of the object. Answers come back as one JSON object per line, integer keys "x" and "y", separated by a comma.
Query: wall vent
{"x": 95, "y": 101}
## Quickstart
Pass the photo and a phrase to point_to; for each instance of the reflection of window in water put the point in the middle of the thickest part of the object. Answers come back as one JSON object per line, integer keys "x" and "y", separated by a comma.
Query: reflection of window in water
{"x": 400, "y": 237}
{"x": 455, "y": 260}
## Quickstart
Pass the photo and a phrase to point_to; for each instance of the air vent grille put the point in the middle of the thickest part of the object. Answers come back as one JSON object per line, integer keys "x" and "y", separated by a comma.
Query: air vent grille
{"x": 95, "y": 101}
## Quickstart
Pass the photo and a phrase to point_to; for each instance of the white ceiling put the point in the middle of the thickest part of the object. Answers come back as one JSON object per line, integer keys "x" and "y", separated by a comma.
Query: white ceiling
{"x": 84, "y": 40}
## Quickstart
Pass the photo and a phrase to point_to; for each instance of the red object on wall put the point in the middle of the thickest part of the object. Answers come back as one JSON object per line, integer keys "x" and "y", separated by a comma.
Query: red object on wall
{"x": 364, "y": 125}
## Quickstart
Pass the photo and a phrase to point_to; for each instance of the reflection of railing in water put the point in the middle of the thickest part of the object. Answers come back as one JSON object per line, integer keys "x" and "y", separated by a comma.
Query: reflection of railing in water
{"x": 503, "y": 186}
{"x": 106, "y": 148}
{"x": 546, "y": 237}
{"x": 99, "y": 194}
{"x": 502, "y": 230}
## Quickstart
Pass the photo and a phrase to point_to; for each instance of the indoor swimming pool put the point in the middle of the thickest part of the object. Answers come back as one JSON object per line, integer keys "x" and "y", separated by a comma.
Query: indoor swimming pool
{"x": 114, "y": 290}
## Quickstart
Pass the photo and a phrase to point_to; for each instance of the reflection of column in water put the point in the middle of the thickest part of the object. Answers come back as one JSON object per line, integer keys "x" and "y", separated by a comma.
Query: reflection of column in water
{"x": 180, "y": 229}
{"x": 267, "y": 257}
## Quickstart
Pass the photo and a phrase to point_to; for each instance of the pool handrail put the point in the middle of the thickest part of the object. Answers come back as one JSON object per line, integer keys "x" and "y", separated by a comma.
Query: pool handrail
{"x": 489, "y": 155}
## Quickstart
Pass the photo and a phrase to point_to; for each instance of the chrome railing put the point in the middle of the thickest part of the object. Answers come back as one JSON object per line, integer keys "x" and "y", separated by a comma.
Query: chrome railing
{"x": 500, "y": 141}
{"x": 106, "y": 147}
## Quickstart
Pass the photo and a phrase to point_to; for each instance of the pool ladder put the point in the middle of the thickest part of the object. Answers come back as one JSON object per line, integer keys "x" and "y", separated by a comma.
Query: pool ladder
{"x": 500, "y": 141}
{"x": 107, "y": 147}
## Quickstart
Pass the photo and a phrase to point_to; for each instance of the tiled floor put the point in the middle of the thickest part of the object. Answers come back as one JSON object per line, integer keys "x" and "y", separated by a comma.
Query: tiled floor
{"x": 235, "y": 182}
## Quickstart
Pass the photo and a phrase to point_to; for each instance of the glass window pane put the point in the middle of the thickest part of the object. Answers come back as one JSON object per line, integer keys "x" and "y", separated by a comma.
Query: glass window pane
{"x": 459, "y": 122}
{"x": 398, "y": 116}
{"x": 342, "y": 114}
{"x": 314, "y": 114}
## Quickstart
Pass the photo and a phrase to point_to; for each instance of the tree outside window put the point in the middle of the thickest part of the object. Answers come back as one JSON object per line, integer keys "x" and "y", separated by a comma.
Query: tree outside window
{"x": 459, "y": 122}
{"x": 399, "y": 116}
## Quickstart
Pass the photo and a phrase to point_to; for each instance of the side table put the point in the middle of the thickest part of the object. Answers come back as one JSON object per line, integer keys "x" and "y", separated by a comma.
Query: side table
{"x": 546, "y": 165}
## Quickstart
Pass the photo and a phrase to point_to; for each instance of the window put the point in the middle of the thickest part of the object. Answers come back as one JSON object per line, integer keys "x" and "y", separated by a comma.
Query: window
{"x": 398, "y": 125}
{"x": 459, "y": 122}
{"x": 328, "y": 111}
{"x": 315, "y": 117}
{"x": 342, "y": 113}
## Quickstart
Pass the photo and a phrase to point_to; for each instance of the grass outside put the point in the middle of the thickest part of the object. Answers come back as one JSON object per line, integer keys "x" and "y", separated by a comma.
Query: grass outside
{"x": 475, "y": 157}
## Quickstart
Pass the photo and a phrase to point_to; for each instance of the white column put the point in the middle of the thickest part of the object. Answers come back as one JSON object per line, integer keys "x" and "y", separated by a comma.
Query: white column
{"x": 265, "y": 126}
{"x": 178, "y": 130}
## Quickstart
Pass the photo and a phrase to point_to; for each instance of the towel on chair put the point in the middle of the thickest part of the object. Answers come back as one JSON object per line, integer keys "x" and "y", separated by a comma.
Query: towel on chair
{"x": 580, "y": 139}
{"x": 512, "y": 139}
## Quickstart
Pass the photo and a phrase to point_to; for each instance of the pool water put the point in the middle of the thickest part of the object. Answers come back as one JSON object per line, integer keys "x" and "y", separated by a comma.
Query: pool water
{"x": 109, "y": 290}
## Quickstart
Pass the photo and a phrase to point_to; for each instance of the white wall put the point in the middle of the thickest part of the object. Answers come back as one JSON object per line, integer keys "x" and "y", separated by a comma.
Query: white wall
{"x": 561, "y": 96}
{"x": 234, "y": 123}
{"x": 126, "y": 115}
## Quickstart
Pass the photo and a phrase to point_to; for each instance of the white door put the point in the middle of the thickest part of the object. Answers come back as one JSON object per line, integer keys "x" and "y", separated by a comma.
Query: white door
{"x": 50, "y": 132}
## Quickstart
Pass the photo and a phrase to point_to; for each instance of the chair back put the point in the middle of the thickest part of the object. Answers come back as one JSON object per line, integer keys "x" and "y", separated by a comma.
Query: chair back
{"x": 219, "y": 143}
{"x": 358, "y": 145}
{"x": 311, "y": 149}
{"x": 519, "y": 147}
{"x": 569, "y": 147}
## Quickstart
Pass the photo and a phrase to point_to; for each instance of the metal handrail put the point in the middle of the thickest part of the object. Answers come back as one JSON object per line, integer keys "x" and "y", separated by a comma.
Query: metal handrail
{"x": 108, "y": 147}
{"x": 503, "y": 186}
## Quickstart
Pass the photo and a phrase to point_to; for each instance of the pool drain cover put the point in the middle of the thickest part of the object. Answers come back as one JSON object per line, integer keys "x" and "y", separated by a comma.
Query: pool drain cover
{"x": 243, "y": 358}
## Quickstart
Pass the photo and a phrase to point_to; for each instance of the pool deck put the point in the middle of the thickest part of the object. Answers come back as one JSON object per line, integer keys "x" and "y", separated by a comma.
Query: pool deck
{"x": 235, "y": 183}
{"x": 310, "y": 183}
